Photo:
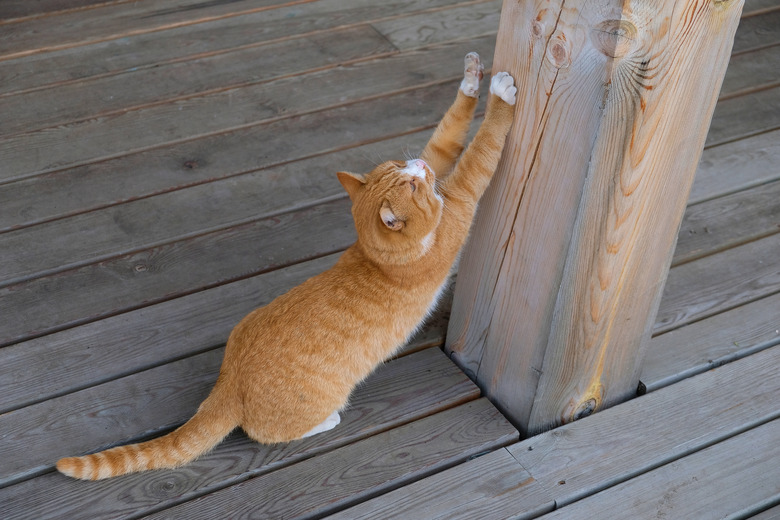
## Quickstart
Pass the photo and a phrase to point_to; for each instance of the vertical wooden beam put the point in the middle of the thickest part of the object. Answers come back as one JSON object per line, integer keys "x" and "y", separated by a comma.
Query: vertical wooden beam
{"x": 560, "y": 282}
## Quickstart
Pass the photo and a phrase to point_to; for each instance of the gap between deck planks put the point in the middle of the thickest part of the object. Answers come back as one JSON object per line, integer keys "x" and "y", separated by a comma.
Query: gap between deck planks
{"x": 402, "y": 391}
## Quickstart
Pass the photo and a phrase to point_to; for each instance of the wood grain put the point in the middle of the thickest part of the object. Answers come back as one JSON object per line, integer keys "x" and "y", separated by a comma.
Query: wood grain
{"x": 70, "y": 29}
{"x": 580, "y": 253}
{"x": 737, "y": 165}
{"x": 744, "y": 116}
{"x": 332, "y": 481}
{"x": 468, "y": 21}
{"x": 743, "y": 470}
{"x": 139, "y": 51}
{"x": 491, "y": 487}
{"x": 770, "y": 514}
{"x": 751, "y": 71}
{"x": 14, "y": 9}
{"x": 354, "y": 142}
{"x": 131, "y": 281}
{"x": 728, "y": 221}
{"x": 111, "y": 94}
{"x": 400, "y": 392}
{"x": 635, "y": 437}
{"x": 107, "y": 136}
{"x": 720, "y": 282}
{"x": 711, "y": 342}
{"x": 758, "y": 31}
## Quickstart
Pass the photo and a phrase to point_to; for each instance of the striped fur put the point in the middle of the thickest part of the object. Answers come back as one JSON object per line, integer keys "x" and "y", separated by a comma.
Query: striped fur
{"x": 289, "y": 365}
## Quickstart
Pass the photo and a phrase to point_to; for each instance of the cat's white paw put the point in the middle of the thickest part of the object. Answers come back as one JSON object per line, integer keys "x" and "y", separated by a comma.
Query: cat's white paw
{"x": 503, "y": 86}
{"x": 472, "y": 73}
{"x": 328, "y": 424}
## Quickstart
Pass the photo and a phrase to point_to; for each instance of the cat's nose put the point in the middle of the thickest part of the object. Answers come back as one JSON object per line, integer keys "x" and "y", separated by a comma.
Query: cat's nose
{"x": 420, "y": 164}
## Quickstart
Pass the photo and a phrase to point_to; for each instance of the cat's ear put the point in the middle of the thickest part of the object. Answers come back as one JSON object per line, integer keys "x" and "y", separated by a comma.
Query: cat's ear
{"x": 388, "y": 217}
{"x": 352, "y": 182}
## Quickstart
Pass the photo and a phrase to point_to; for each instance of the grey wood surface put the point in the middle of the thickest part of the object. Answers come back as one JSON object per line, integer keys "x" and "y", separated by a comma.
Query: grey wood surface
{"x": 108, "y": 136}
{"x": 711, "y": 342}
{"x": 729, "y": 480}
{"x": 736, "y": 166}
{"x": 726, "y": 280}
{"x": 106, "y": 95}
{"x": 347, "y": 475}
{"x": 490, "y": 487}
{"x": 773, "y": 513}
{"x": 613, "y": 446}
{"x": 728, "y": 221}
{"x": 399, "y": 392}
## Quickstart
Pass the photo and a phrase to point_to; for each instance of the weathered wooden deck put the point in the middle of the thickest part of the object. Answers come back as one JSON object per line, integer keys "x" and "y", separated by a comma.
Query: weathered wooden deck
{"x": 168, "y": 165}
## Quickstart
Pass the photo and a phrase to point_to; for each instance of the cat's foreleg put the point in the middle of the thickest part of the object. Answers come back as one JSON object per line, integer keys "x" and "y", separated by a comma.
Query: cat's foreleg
{"x": 446, "y": 144}
{"x": 478, "y": 163}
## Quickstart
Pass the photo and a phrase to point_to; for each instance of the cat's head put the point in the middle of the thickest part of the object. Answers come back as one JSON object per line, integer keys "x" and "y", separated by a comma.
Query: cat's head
{"x": 396, "y": 209}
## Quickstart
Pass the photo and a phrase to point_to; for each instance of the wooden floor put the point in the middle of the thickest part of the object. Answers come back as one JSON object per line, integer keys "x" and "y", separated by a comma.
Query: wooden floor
{"x": 168, "y": 165}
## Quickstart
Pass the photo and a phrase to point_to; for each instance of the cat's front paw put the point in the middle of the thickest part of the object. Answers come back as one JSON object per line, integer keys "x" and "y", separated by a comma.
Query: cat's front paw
{"x": 503, "y": 86}
{"x": 472, "y": 73}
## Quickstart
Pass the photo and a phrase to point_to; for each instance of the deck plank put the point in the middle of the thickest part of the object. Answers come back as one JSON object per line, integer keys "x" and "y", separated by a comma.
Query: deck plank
{"x": 615, "y": 445}
{"x": 770, "y": 514}
{"x": 342, "y": 477}
{"x": 728, "y": 221}
{"x": 301, "y": 168}
{"x": 16, "y": 9}
{"x": 744, "y": 116}
{"x": 108, "y": 136}
{"x": 736, "y": 166}
{"x": 720, "y": 282}
{"x": 728, "y": 480}
{"x": 141, "y": 51}
{"x": 401, "y": 391}
{"x": 710, "y": 343}
{"x": 468, "y": 22}
{"x": 110, "y": 22}
{"x": 491, "y": 487}
{"x": 110, "y": 94}
{"x": 758, "y": 31}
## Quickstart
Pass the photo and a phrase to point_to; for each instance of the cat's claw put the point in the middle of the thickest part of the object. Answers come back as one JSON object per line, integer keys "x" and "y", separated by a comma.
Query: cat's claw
{"x": 328, "y": 424}
{"x": 472, "y": 73}
{"x": 503, "y": 86}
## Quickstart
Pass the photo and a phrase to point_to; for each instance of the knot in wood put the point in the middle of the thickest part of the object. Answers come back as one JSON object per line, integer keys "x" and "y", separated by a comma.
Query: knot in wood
{"x": 558, "y": 52}
{"x": 585, "y": 409}
{"x": 537, "y": 29}
{"x": 614, "y": 38}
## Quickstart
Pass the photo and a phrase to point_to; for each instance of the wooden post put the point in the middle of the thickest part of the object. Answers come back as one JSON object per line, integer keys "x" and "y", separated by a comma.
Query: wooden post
{"x": 560, "y": 283}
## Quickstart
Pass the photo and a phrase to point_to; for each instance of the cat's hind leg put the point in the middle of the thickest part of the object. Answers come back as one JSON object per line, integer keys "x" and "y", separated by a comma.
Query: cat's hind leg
{"x": 328, "y": 424}
{"x": 447, "y": 142}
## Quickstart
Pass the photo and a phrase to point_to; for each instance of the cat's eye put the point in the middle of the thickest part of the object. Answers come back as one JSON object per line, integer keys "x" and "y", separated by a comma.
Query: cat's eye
{"x": 414, "y": 187}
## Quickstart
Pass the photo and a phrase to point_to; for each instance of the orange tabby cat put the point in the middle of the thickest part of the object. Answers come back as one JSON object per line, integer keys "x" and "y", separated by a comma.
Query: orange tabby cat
{"x": 290, "y": 366}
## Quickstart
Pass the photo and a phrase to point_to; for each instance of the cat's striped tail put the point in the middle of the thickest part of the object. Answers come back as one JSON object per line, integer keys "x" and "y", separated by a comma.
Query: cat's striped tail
{"x": 215, "y": 418}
